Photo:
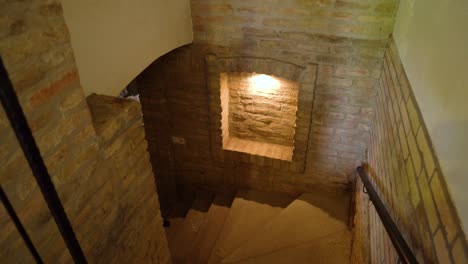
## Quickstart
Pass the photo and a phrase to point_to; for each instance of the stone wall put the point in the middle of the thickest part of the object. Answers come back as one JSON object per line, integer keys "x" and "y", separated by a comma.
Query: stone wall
{"x": 406, "y": 172}
{"x": 108, "y": 194}
{"x": 261, "y": 113}
{"x": 345, "y": 40}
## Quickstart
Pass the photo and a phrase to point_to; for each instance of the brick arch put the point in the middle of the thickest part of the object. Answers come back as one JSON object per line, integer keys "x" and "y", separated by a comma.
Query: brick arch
{"x": 277, "y": 68}
{"x": 304, "y": 77}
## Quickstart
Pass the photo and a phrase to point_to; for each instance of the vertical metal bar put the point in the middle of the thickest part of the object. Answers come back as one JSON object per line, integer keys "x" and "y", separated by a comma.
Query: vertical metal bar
{"x": 18, "y": 122}
{"x": 19, "y": 226}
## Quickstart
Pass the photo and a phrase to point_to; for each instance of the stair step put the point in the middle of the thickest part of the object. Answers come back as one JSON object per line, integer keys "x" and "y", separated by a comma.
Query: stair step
{"x": 210, "y": 230}
{"x": 311, "y": 216}
{"x": 331, "y": 249}
{"x": 183, "y": 241}
{"x": 176, "y": 217}
{"x": 250, "y": 211}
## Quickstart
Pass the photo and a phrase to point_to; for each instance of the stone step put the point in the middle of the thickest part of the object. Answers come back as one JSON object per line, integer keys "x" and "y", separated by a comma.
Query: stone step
{"x": 332, "y": 249}
{"x": 181, "y": 243}
{"x": 176, "y": 217}
{"x": 311, "y": 216}
{"x": 210, "y": 230}
{"x": 250, "y": 211}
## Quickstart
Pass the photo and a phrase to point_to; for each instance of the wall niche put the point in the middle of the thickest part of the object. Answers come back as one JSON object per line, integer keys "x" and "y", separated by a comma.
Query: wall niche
{"x": 258, "y": 114}
{"x": 260, "y": 109}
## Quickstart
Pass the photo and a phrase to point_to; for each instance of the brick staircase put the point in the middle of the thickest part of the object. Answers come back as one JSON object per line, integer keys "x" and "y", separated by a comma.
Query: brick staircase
{"x": 260, "y": 227}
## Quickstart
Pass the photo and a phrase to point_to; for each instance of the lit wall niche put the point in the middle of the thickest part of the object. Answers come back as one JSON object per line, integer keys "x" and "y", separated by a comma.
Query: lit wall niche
{"x": 260, "y": 114}
{"x": 260, "y": 110}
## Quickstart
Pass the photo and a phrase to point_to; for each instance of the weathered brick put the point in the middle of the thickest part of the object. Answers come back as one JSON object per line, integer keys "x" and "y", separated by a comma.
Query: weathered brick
{"x": 427, "y": 154}
{"x": 72, "y": 100}
{"x": 45, "y": 93}
{"x": 444, "y": 207}
{"x": 92, "y": 189}
{"x": 428, "y": 202}
{"x": 351, "y": 72}
{"x": 408, "y": 185}
{"x": 405, "y": 118}
{"x": 443, "y": 254}
{"x": 459, "y": 251}
{"x": 426, "y": 234}
{"x": 415, "y": 156}
{"x": 405, "y": 86}
{"x": 413, "y": 116}
{"x": 413, "y": 184}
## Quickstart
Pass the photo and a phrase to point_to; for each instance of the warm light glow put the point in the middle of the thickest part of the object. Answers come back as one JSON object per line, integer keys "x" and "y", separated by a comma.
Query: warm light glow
{"x": 264, "y": 84}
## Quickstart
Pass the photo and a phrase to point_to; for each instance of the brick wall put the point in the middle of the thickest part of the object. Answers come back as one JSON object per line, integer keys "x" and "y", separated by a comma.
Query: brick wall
{"x": 345, "y": 40}
{"x": 107, "y": 193}
{"x": 266, "y": 116}
{"x": 405, "y": 169}
{"x": 124, "y": 201}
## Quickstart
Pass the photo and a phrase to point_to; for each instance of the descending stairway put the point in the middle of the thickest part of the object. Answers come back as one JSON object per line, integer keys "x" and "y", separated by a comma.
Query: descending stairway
{"x": 260, "y": 227}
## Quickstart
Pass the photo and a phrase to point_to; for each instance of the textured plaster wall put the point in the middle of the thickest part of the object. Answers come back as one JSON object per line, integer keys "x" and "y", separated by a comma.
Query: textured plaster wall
{"x": 114, "y": 41}
{"x": 431, "y": 38}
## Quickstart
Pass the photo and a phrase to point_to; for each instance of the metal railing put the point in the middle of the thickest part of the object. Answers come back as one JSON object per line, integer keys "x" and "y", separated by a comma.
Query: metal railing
{"x": 399, "y": 243}
{"x": 14, "y": 112}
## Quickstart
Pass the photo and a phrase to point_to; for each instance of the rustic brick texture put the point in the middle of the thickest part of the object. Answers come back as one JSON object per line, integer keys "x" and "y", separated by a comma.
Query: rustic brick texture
{"x": 274, "y": 153}
{"x": 14, "y": 250}
{"x": 266, "y": 116}
{"x": 406, "y": 172}
{"x": 91, "y": 167}
{"x": 124, "y": 190}
{"x": 343, "y": 40}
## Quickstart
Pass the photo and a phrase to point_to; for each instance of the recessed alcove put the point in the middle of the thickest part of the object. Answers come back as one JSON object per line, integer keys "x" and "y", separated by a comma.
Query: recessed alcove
{"x": 258, "y": 114}
{"x": 260, "y": 111}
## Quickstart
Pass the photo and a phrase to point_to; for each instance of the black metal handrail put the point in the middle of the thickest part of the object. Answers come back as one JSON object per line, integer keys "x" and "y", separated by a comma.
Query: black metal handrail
{"x": 23, "y": 133}
{"x": 402, "y": 248}
{"x": 19, "y": 226}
